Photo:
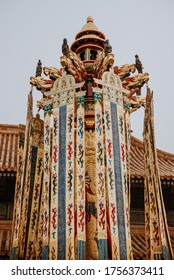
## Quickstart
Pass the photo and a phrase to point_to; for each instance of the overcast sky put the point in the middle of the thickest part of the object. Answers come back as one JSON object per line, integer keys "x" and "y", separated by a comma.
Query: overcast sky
{"x": 34, "y": 29}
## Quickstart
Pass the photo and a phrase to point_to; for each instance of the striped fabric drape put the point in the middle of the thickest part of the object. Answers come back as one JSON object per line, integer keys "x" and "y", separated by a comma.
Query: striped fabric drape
{"x": 158, "y": 245}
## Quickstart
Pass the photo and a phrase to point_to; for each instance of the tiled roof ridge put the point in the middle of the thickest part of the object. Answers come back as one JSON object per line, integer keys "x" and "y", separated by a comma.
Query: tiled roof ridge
{"x": 160, "y": 153}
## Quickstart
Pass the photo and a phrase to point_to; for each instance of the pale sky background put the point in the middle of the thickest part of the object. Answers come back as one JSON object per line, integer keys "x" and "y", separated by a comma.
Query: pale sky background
{"x": 34, "y": 29}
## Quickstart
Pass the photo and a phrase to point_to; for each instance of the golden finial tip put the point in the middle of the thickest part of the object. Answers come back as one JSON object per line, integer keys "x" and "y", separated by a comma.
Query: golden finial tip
{"x": 90, "y": 19}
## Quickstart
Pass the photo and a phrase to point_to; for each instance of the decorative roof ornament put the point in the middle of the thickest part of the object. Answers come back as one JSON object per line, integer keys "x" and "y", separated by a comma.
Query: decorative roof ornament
{"x": 65, "y": 47}
{"x": 38, "y": 69}
{"x": 138, "y": 64}
{"x": 89, "y": 25}
{"x": 89, "y": 57}
{"x": 89, "y": 35}
{"x": 107, "y": 47}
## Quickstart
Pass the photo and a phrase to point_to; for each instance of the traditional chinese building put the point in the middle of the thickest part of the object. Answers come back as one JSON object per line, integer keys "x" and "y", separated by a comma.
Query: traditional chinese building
{"x": 86, "y": 188}
{"x": 9, "y": 142}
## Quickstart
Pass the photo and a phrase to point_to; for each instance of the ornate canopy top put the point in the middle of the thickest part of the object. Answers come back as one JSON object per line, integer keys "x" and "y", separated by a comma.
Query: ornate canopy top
{"x": 90, "y": 26}
{"x": 88, "y": 35}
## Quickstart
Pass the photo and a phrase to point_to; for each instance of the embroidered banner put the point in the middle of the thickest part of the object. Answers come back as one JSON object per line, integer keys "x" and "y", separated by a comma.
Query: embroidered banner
{"x": 116, "y": 170}
{"x": 54, "y": 186}
{"x": 23, "y": 160}
{"x": 158, "y": 244}
{"x": 127, "y": 132}
{"x": 62, "y": 229}
{"x": 46, "y": 177}
{"x": 100, "y": 179}
{"x": 35, "y": 195}
{"x": 80, "y": 179}
{"x": 25, "y": 201}
{"x": 30, "y": 207}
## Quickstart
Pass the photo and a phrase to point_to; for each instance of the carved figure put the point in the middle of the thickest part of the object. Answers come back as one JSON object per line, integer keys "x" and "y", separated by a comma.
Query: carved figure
{"x": 125, "y": 70}
{"x": 41, "y": 102}
{"x": 39, "y": 69}
{"x": 138, "y": 64}
{"x": 41, "y": 84}
{"x": 74, "y": 66}
{"x": 102, "y": 63}
{"x": 98, "y": 63}
{"x": 136, "y": 81}
{"x": 136, "y": 102}
{"x": 65, "y": 47}
{"x": 107, "y": 47}
{"x": 52, "y": 72}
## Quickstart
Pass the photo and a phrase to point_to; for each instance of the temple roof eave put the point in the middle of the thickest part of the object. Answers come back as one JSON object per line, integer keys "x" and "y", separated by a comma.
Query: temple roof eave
{"x": 90, "y": 32}
{"x": 137, "y": 169}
